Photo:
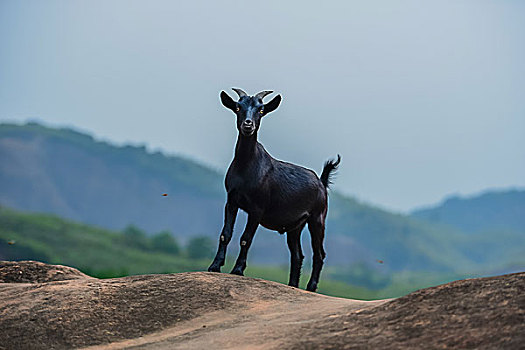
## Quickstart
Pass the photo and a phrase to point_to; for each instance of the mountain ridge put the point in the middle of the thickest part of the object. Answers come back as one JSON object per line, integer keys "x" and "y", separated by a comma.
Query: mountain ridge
{"x": 69, "y": 173}
{"x": 489, "y": 210}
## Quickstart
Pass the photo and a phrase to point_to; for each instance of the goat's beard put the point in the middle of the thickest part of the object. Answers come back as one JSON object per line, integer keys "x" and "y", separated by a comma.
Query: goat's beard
{"x": 247, "y": 132}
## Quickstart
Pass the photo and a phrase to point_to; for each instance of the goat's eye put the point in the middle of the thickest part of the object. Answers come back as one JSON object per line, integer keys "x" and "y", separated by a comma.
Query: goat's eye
{"x": 237, "y": 110}
{"x": 261, "y": 111}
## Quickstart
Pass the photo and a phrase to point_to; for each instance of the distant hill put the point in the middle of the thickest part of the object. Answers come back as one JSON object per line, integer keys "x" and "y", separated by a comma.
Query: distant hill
{"x": 501, "y": 210}
{"x": 71, "y": 174}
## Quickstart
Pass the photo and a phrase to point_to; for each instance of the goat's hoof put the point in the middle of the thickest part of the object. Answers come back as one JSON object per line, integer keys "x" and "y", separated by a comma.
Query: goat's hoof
{"x": 214, "y": 268}
{"x": 311, "y": 287}
{"x": 237, "y": 272}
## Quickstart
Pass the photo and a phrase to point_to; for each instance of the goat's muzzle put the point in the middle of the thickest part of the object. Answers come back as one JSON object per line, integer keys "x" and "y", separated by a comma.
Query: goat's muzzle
{"x": 247, "y": 128}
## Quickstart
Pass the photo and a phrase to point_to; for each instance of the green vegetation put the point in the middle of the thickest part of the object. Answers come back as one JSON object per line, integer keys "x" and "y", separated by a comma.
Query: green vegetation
{"x": 413, "y": 244}
{"x": 200, "y": 247}
{"x": 96, "y": 251}
{"x": 165, "y": 242}
{"x": 104, "y": 254}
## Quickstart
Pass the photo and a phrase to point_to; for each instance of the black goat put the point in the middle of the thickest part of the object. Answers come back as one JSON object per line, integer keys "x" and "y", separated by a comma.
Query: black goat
{"x": 277, "y": 195}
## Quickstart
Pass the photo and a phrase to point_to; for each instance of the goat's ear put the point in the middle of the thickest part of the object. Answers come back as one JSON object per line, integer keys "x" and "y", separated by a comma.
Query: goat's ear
{"x": 272, "y": 105}
{"x": 227, "y": 101}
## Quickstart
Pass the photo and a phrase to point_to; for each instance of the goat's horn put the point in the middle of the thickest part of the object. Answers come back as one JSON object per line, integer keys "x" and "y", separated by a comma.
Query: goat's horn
{"x": 240, "y": 92}
{"x": 262, "y": 94}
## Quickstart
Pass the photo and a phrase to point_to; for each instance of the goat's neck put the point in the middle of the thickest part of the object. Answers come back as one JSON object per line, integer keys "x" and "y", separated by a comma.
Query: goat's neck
{"x": 246, "y": 148}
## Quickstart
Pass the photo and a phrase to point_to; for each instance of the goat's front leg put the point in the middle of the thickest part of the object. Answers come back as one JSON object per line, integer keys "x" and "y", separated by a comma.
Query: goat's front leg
{"x": 230, "y": 214}
{"x": 246, "y": 241}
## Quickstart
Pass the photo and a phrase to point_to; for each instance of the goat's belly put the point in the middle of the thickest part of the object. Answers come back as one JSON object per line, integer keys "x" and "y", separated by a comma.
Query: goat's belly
{"x": 273, "y": 227}
{"x": 284, "y": 224}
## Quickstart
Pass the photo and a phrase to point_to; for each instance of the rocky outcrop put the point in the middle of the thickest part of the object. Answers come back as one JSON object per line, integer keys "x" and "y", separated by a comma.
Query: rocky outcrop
{"x": 44, "y": 306}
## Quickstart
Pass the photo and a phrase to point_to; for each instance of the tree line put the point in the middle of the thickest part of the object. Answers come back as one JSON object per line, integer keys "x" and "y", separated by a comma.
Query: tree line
{"x": 197, "y": 247}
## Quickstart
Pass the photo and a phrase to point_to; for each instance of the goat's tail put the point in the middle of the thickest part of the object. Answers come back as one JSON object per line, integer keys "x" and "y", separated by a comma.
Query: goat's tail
{"x": 328, "y": 171}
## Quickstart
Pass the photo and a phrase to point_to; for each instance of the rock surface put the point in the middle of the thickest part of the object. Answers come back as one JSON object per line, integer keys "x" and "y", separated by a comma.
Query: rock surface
{"x": 36, "y": 272}
{"x": 58, "y": 307}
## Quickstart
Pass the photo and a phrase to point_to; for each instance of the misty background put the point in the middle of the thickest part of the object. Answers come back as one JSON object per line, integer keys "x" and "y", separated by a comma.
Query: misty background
{"x": 421, "y": 99}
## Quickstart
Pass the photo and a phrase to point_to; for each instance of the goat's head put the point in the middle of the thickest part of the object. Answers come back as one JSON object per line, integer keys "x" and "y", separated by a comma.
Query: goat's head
{"x": 250, "y": 109}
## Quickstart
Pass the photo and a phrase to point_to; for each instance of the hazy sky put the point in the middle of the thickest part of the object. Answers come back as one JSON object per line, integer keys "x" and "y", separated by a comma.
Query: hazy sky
{"x": 421, "y": 98}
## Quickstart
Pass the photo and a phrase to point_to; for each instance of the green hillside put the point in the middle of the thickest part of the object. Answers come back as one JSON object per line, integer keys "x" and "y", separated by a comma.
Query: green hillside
{"x": 91, "y": 249}
{"x": 71, "y": 174}
{"x": 75, "y": 176}
{"x": 104, "y": 253}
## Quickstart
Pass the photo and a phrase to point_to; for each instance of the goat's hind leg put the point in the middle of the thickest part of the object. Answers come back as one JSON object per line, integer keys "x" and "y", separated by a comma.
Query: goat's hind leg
{"x": 230, "y": 214}
{"x": 293, "y": 238}
{"x": 316, "y": 226}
